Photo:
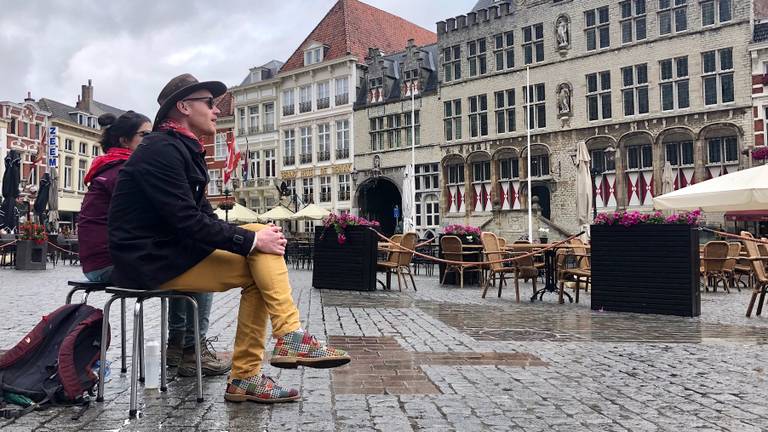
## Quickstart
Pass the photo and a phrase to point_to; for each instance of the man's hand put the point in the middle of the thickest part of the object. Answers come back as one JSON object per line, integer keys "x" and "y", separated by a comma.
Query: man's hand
{"x": 271, "y": 240}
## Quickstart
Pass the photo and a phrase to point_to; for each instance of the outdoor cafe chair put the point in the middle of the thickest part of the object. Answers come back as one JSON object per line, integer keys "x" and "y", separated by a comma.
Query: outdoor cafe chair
{"x": 137, "y": 357}
{"x": 760, "y": 284}
{"x": 729, "y": 268}
{"x": 393, "y": 256}
{"x": 581, "y": 273}
{"x": 520, "y": 268}
{"x": 713, "y": 263}
{"x": 452, "y": 251}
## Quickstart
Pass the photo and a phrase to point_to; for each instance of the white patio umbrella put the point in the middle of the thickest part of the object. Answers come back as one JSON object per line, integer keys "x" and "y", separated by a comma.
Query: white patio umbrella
{"x": 310, "y": 212}
{"x": 742, "y": 190}
{"x": 583, "y": 186}
{"x": 409, "y": 224}
{"x": 53, "y": 199}
{"x": 667, "y": 178}
{"x": 238, "y": 214}
{"x": 277, "y": 214}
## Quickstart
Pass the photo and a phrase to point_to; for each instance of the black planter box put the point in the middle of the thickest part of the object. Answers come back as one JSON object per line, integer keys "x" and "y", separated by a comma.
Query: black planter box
{"x": 351, "y": 266}
{"x": 650, "y": 269}
{"x": 30, "y": 255}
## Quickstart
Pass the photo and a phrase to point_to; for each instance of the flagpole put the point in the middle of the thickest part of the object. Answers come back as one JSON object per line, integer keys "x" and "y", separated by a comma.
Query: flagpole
{"x": 413, "y": 157}
{"x": 528, "y": 133}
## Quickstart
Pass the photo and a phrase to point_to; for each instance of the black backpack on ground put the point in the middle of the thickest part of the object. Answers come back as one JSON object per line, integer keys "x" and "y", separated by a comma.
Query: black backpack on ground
{"x": 54, "y": 362}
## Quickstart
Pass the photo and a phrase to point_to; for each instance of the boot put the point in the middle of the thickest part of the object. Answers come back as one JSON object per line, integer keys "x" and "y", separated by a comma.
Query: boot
{"x": 211, "y": 364}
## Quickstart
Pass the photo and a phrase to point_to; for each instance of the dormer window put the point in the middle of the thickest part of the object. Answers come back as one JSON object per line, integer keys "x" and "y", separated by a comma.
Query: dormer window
{"x": 313, "y": 55}
{"x": 411, "y": 82}
{"x": 376, "y": 90}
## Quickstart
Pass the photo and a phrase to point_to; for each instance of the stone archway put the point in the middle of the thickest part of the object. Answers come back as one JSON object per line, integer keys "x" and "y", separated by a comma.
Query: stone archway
{"x": 377, "y": 198}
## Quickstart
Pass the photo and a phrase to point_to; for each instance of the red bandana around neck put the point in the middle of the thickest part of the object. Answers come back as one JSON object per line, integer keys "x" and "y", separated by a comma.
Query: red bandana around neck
{"x": 170, "y": 124}
{"x": 112, "y": 155}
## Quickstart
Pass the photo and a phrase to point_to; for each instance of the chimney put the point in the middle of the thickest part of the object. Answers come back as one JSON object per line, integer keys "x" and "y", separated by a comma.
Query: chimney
{"x": 29, "y": 97}
{"x": 86, "y": 98}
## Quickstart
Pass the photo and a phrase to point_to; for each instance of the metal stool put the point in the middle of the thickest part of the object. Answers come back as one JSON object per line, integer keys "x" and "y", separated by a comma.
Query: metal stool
{"x": 137, "y": 359}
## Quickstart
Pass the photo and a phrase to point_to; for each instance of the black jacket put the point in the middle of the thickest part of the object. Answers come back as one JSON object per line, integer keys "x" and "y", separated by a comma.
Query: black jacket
{"x": 160, "y": 222}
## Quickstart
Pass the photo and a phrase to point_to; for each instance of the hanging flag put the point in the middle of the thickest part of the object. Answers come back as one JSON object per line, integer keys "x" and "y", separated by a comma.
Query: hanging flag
{"x": 233, "y": 157}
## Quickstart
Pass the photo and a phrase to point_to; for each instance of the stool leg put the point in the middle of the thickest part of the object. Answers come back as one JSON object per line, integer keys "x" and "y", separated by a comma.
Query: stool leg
{"x": 198, "y": 361}
{"x": 135, "y": 357}
{"x": 103, "y": 354}
{"x": 123, "y": 366}
{"x": 71, "y": 293}
{"x": 141, "y": 342}
{"x": 163, "y": 344}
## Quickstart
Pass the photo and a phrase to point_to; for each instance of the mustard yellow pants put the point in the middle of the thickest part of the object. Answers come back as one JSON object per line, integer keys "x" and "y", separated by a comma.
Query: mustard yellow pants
{"x": 266, "y": 293}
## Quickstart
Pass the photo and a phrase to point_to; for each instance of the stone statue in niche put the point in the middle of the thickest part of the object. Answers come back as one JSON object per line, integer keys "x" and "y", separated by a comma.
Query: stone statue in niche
{"x": 563, "y": 32}
{"x": 564, "y": 99}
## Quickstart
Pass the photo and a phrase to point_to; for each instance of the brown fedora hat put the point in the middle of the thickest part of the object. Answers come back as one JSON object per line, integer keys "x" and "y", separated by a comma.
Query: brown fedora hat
{"x": 181, "y": 86}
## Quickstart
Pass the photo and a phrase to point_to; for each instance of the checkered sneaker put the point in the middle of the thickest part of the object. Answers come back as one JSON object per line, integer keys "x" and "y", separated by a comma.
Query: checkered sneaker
{"x": 261, "y": 389}
{"x": 299, "y": 348}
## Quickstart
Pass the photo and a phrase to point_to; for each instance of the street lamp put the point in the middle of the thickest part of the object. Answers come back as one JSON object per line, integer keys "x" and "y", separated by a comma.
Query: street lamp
{"x": 227, "y": 205}
{"x": 610, "y": 156}
{"x": 286, "y": 192}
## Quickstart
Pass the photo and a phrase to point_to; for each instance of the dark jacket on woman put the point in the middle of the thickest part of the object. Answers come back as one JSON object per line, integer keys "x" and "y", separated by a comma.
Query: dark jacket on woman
{"x": 160, "y": 222}
{"x": 92, "y": 221}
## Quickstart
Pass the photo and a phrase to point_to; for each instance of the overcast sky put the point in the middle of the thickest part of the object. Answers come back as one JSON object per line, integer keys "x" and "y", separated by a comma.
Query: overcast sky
{"x": 131, "y": 49}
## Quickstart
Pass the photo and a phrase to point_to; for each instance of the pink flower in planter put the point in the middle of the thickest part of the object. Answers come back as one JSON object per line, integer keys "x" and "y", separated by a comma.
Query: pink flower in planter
{"x": 341, "y": 238}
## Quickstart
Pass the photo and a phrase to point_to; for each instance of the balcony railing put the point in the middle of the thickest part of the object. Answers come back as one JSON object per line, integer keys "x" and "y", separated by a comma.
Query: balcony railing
{"x": 342, "y": 153}
{"x": 269, "y": 128}
{"x": 289, "y": 160}
{"x": 288, "y": 110}
{"x": 307, "y": 198}
{"x": 240, "y": 132}
{"x": 325, "y": 197}
{"x": 306, "y": 158}
{"x": 343, "y": 195}
{"x": 342, "y": 99}
{"x": 323, "y": 103}
{"x": 305, "y": 107}
{"x": 253, "y": 130}
{"x": 323, "y": 156}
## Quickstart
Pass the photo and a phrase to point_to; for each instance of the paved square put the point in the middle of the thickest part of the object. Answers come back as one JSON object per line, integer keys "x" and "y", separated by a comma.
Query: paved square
{"x": 443, "y": 358}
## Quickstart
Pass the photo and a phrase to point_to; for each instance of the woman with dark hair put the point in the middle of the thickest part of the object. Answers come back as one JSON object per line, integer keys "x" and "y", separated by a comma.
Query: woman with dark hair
{"x": 120, "y": 137}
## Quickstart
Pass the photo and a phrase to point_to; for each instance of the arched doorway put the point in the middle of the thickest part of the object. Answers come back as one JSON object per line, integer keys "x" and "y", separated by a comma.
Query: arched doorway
{"x": 542, "y": 192}
{"x": 377, "y": 200}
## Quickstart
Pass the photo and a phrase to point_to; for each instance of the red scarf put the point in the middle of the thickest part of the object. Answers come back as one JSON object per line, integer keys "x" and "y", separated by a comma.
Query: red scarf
{"x": 113, "y": 155}
{"x": 170, "y": 124}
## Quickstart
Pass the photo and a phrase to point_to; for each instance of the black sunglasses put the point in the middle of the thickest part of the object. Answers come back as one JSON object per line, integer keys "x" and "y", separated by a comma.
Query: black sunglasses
{"x": 207, "y": 99}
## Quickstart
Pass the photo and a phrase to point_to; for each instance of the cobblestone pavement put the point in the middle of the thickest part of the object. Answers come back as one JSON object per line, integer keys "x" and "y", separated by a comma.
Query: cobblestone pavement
{"x": 443, "y": 358}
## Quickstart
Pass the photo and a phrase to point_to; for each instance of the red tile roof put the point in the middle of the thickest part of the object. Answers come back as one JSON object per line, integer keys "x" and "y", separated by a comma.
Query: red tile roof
{"x": 351, "y": 27}
{"x": 225, "y": 105}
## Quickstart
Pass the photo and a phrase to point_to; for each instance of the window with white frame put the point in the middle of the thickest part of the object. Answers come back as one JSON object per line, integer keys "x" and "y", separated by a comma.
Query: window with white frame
{"x": 533, "y": 43}
{"x": 456, "y": 175}
{"x": 342, "y": 91}
{"x": 416, "y": 129}
{"x": 431, "y": 213}
{"x": 323, "y": 142}
{"x": 505, "y": 111}
{"x": 716, "y": 11}
{"x": 214, "y": 176}
{"x": 253, "y": 119}
{"x": 305, "y": 137}
{"x": 288, "y": 107}
{"x": 639, "y": 157}
{"x": 672, "y": 16}
{"x": 504, "y": 50}
{"x": 509, "y": 168}
{"x": 537, "y": 110}
{"x": 452, "y": 119}
{"x": 269, "y": 117}
{"x": 308, "y": 195}
{"x": 452, "y": 63}
{"x": 539, "y": 164}
{"x": 674, "y": 84}
{"x": 289, "y": 147}
{"x": 377, "y": 133}
{"x": 83, "y": 150}
{"x": 597, "y": 28}
{"x": 634, "y": 89}
{"x": 393, "y": 134}
{"x": 255, "y": 164}
{"x": 313, "y": 55}
{"x": 678, "y": 153}
{"x": 69, "y": 144}
{"x": 323, "y": 94}
{"x": 325, "y": 189}
{"x": 599, "y": 96}
{"x": 633, "y": 21}
{"x": 344, "y": 187}
{"x": 600, "y": 162}
{"x": 95, "y": 151}
{"x": 305, "y": 98}
{"x": 81, "y": 169}
{"x": 342, "y": 139}
{"x": 68, "y": 161}
{"x": 220, "y": 146}
{"x": 269, "y": 163}
{"x": 723, "y": 150}
{"x": 478, "y": 116}
{"x": 717, "y": 76}
{"x": 242, "y": 123}
{"x": 476, "y": 57}
{"x": 426, "y": 178}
